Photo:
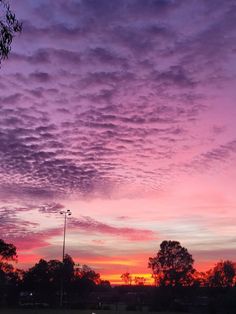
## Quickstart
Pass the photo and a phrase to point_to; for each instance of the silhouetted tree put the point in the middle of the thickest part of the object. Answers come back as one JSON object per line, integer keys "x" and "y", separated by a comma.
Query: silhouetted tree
{"x": 44, "y": 280}
{"x": 68, "y": 269}
{"x": 139, "y": 281}
{"x": 200, "y": 279}
{"x": 172, "y": 266}
{"x": 222, "y": 275}
{"x": 7, "y": 251}
{"x": 9, "y": 278}
{"x": 127, "y": 278}
{"x": 87, "y": 273}
{"x": 105, "y": 285}
{"x": 39, "y": 278}
{"x": 85, "y": 281}
{"x": 9, "y": 26}
{"x": 68, "y": 273}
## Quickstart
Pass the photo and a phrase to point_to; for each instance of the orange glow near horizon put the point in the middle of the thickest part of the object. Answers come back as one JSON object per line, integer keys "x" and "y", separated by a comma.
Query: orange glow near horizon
{"x": 115, "y": 279}
{"x": 110, "y": 262}
{"x": 108, "y": 267}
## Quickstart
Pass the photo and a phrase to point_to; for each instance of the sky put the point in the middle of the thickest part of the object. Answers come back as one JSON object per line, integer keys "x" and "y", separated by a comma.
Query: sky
{"x": 123, "y": 112}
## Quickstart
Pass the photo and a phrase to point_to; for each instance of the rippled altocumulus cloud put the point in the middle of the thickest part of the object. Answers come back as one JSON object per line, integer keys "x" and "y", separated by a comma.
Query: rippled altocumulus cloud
{"x": 101, "y": 94}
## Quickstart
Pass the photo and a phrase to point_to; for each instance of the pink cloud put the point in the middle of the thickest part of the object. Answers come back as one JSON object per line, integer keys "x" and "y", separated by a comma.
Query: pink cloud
{"x": 91, "y": 225}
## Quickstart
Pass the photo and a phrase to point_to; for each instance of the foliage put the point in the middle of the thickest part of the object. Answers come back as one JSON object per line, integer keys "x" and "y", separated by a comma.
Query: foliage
{"x": 87, "y": 273}
{"x": 9, "y": 26}
{"x": 105, "y": 285}
{"x": 42, "y": 277}
{"x": 9, "y": 276}
{"x": 7, "y": 251}
{"x": 47, "y": 276}
{"x": 139, "y": 281}
{"x": 67, "y": 270}
{"x": 222, "y": 275}
{"x": 172, "y": 266}
{"x": 200, "y": 279}
{"x": 180, "y": 285}
{"x": 44, "y": 280}
{"x": 127, "y": 278}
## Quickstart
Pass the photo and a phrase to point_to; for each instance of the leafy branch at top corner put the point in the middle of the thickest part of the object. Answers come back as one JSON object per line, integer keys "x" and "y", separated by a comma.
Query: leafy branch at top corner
{"x": 9, "y": 26}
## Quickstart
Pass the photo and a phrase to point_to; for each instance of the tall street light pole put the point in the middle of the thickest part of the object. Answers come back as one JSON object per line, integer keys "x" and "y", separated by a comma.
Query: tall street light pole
{"x": 66, "y": 213}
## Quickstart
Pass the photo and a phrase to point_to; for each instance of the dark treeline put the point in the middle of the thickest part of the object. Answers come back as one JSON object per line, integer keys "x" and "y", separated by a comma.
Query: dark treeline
{"x": 177, "y": 285}
{"x": 43, "y": 282}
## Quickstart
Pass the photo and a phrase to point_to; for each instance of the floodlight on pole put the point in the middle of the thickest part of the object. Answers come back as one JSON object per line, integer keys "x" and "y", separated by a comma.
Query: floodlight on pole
{"x": 66, "y": 213}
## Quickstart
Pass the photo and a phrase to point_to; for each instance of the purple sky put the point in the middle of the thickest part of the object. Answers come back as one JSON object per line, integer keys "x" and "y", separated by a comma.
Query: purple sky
{"x": 123, "y": 111}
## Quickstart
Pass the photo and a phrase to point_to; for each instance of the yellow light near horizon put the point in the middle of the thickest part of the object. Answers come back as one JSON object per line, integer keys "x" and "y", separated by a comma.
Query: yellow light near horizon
{"x": 115, "y": 279}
